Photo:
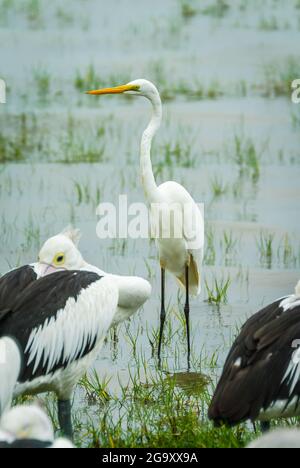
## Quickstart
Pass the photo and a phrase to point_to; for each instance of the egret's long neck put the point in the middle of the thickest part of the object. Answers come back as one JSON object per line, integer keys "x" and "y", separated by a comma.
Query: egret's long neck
{"x": 148, "y": 179}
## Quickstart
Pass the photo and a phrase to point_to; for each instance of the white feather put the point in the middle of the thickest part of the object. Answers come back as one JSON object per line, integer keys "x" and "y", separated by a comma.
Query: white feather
{"x": 82, "y": 320}
{"x": 297, "y": 290}
{"x": 10, "y": 366}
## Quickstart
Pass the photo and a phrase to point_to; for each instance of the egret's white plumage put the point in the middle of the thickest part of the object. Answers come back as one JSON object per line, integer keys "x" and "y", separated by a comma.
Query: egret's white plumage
{"x": 175, "y": 253}
{"x": 180, "y": 253}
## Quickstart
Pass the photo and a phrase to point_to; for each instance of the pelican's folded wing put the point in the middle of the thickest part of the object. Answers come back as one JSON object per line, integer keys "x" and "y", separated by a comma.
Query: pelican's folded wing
{"x": 58, "y": 319}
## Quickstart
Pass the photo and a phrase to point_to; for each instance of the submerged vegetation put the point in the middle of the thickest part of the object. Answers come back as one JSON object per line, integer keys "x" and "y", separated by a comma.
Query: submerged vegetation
{"x": 218, "y": 292}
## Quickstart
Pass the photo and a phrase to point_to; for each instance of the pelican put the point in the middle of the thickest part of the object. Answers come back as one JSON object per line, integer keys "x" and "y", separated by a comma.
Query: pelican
{"x": 181, "y": 242}
{"x": 8, "y": 373}
{"x": 261, "y": 376}
{"x": 52, "y": 333}
{"x": 61, "y": 253}
{"x": 29, "y": 427}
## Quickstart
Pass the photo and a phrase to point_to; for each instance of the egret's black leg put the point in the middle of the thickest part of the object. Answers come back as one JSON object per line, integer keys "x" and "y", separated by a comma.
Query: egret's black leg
{"x": 64, "y": 418}
{"x": 187, "y": 314}
{"x": 163, "y": 310}
{"x": 265, "y": 426}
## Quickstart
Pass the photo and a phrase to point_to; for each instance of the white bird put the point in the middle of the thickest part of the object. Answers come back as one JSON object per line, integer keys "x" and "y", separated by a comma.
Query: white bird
{"x": 55, "y": 328}
{"x": 261, "y": 376}
{"x": 29, "y": 427}
{"x": 176, "y": 219}
{"x": 61, "y": 253}
{"x": 9, "y": 370}
{"x": 278, "y": 439}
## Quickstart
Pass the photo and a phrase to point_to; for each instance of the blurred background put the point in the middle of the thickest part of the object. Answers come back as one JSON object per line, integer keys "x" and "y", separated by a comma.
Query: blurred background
{"x": 230, "y": 134}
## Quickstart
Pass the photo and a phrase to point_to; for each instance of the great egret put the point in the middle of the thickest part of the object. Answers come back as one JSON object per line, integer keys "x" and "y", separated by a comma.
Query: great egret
{"x": 180, "y": 242}
{"x": 28, "y": 427}
{"x": 55, "y": 328}
{"x": 261, "y": 376}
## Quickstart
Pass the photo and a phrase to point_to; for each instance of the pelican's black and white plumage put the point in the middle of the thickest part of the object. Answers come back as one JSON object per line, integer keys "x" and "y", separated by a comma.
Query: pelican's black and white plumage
{"x": 56, "y": 326}
{"x": 261, "y": 377}
{"x": 13, "y": 284}
{"x": 61, "y": 253}
{"x": 10, "y": 368}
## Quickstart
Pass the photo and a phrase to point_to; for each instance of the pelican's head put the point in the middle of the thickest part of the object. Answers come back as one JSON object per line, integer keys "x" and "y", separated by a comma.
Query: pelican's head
{"x": 136, "y": 88}
{"x": 27, "y": 422}
{"x": 61, "y": 253}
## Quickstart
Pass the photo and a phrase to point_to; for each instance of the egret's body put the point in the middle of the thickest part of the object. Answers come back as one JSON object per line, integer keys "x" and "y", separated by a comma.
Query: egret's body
{"x": 176, "y": 253}
{"x": 180, "y": 240}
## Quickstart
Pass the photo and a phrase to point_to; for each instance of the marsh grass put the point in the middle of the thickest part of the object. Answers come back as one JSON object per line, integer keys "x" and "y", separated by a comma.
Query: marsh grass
{"x": 210, "y": 249}
{"x": 15, "y": 148}
{"x": 218, "y": 187}
{"x": 286, "y": 254}
{"x": 265, "y": 245}
{"x": 6, "y": 8}
{"x": 268, "y": 24}
{"x": 296, "y": 120}
{"x": 217, "y": 9}
{"x": 33, "y": 13}
{"x": 229, "y": 245}
{"x": 188, "y": 10}
{"x": 279, "y": 78}
{"x": 160, "y": 409}
{"x": 86, "y": 194}
{"x": 178, "y": 153}
{"x": 247, "y": 157}
{"x": 64, "y": 17}
{"x": 218, "y": 292}
{"x": 42, "y": 84}
{"x": 79, "y": 148}
{"x": 90, "y": 79}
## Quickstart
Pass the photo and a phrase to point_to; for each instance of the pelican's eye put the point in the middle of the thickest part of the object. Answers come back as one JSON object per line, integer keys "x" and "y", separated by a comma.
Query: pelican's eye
{"x": 59, "y": 259}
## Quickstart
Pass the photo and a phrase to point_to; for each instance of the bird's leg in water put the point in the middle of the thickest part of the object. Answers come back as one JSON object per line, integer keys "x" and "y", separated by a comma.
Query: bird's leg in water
{"x": 65, "y": 419}
{"x": 115, "y": 341}
{"x": 265, "y": 426}
{"x": 163, "y": 311}
{"x": 187, "y": 314}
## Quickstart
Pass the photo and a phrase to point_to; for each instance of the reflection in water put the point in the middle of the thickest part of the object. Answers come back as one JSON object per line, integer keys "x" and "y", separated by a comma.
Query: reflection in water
{"x": 192, "y": 383}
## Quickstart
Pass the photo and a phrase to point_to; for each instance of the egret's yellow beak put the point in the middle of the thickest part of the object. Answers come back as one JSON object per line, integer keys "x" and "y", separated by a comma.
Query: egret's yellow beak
{"x": 116, "y": 90}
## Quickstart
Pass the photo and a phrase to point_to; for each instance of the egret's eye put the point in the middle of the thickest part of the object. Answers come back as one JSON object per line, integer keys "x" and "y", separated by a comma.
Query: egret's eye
{"x": 59, "y": 259}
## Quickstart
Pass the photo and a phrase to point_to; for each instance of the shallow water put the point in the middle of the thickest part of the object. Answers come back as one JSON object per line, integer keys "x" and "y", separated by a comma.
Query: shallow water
{"x": 40, "y": 195}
